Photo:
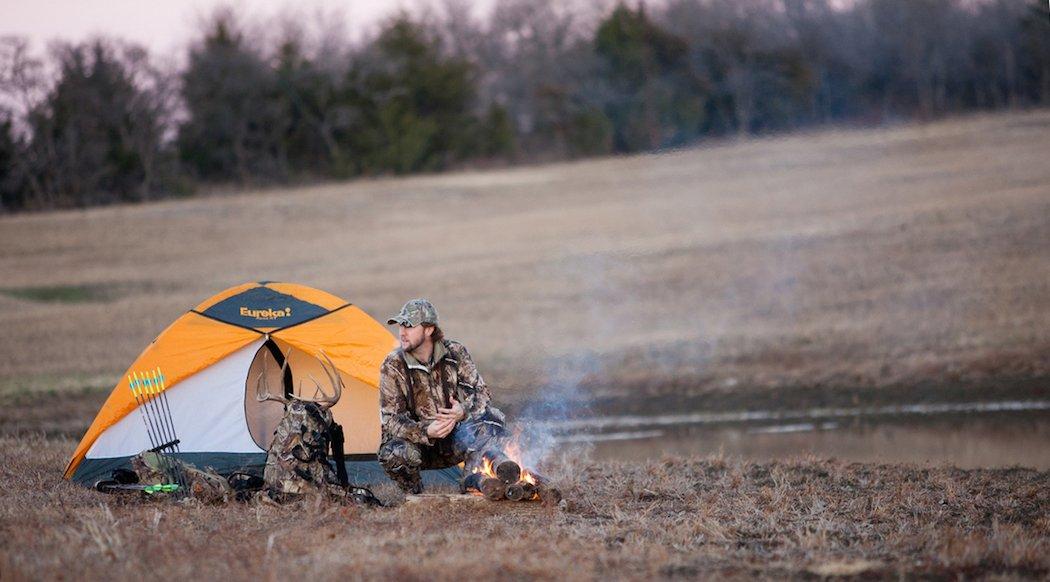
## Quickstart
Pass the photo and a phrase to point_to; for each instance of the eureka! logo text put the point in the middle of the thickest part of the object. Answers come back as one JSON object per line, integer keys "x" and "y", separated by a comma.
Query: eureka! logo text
{"x": 267, "y": 313}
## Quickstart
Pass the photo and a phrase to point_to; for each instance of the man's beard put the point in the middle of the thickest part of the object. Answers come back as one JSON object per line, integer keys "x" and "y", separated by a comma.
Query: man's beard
{"x": 413, "y": 347}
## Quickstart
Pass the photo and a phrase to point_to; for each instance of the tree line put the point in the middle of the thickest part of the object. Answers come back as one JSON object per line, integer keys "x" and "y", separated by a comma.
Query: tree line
{"x": 101, "y": 121}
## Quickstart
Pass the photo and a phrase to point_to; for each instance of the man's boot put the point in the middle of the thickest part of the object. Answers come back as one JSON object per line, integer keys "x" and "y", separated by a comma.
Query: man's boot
{"x": 407, "y": 479}
{"x": 401, "y": 461}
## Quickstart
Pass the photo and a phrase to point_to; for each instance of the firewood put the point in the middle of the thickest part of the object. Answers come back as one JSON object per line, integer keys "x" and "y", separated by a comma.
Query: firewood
{"x": 539, "y": 479}
{"x": 493, "y": 489}
{"x": 521, "y": 491}
{"x": 471, "y": 481}
{"x": 515, "y": 491}
{"x": 550, "y": 496}
{"x": 506, "y": 469}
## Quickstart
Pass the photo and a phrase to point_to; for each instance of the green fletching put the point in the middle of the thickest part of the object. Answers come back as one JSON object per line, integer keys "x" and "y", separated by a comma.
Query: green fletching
{"x": 162, "y": 488}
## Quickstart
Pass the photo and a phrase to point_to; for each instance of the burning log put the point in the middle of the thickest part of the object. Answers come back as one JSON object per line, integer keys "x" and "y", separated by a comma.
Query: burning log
{"x": 521, "y": 491}
{"x": 549, "y": 495}
{"x": 499, "y": 477}
{"x": 493, "y": 489}
{"x": 515, "y": 492}
{"x": 508, "y": 471}
{"x": 471, "y": 481}
{"x": 503, "y": 466}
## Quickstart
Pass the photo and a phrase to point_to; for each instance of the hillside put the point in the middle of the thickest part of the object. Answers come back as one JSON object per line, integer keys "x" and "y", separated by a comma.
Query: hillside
{"x": 902, "y": 262}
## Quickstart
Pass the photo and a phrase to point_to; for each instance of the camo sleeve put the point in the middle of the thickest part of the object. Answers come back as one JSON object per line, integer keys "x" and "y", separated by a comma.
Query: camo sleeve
{"x": 394, "y": 416}
{"x": 471, "y": 386}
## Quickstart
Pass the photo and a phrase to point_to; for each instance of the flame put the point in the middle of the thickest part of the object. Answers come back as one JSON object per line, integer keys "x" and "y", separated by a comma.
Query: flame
{"x": 514, "y": 453}
{"x": 512, "y": 450}
{"x": 486, "y": 468}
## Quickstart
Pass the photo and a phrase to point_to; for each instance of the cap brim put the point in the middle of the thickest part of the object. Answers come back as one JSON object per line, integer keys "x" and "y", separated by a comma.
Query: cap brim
{"x": 399, "y": 321}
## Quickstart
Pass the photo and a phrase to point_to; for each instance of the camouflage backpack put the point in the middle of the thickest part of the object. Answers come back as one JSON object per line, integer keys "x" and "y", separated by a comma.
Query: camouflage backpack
{"x": 297, "y": 460}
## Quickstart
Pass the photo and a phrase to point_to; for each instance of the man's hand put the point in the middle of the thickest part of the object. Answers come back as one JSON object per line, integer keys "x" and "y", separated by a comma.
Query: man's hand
{"x": 440, "y": 428}
{"x": 445, "y": 422}
{"x": 454, "y": 412}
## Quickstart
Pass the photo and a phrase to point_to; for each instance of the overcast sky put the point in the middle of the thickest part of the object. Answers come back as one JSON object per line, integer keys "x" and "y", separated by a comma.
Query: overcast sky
{"x": 164, "y": 26}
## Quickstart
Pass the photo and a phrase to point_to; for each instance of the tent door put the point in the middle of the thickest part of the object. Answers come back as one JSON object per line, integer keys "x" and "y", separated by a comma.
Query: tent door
{"x": 263, "y": 417}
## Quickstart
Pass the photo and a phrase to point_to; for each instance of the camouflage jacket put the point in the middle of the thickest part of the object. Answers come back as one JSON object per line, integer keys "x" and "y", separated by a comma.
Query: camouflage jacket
{"x": 451, "y": 373}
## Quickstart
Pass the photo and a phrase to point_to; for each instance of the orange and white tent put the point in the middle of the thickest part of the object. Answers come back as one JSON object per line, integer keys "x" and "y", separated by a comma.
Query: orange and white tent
{"x": 211, "y": 359}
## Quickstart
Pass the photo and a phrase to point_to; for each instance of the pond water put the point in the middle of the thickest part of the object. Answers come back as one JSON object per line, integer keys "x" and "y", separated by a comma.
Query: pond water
{"x": 966, "y": 435}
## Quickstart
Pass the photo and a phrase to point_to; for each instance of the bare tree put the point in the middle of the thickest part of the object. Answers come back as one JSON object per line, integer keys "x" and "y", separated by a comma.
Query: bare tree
{"x": 22, "y": 86}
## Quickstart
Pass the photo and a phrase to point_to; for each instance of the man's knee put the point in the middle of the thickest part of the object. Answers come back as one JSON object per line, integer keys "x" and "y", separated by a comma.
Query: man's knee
{"x": 492, "y": 424}
{"x": 398, "y": 453}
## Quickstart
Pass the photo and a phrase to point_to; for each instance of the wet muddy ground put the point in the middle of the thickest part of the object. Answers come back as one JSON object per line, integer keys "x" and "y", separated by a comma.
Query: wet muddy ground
{"x": 965, "y": 440}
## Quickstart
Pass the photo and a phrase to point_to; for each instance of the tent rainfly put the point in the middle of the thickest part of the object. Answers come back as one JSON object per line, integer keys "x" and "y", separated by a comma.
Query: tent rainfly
{"x": 211, "y": 358}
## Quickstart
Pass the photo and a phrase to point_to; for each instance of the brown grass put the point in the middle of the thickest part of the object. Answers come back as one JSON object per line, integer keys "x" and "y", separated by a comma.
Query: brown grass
{"x": 840, "y": 261}
{"x": 674, "y": 518}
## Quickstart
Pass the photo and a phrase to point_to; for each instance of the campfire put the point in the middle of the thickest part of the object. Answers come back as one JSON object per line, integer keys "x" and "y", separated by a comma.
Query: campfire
{"x": 502, "y": 476}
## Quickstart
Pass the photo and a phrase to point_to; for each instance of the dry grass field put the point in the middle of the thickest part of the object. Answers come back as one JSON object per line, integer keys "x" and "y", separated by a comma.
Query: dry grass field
{"x": 707, "y": 518}
{"x": 820, "y": 266}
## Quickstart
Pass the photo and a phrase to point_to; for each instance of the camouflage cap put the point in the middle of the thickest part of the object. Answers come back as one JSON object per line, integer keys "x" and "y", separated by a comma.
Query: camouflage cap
{"x": 415, "y": 312}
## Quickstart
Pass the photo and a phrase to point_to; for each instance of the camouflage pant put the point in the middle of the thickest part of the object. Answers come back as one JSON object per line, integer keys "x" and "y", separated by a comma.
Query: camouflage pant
{"x": 403, "y": 460}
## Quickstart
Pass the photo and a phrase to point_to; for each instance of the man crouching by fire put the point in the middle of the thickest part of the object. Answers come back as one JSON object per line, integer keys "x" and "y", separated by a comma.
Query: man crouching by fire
{"x": 434, "y": 406}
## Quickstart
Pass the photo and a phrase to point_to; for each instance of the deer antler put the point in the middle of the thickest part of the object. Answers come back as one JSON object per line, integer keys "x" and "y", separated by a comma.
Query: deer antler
{"x": 262, "y": 387}
{"x": 333, "y": 377}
